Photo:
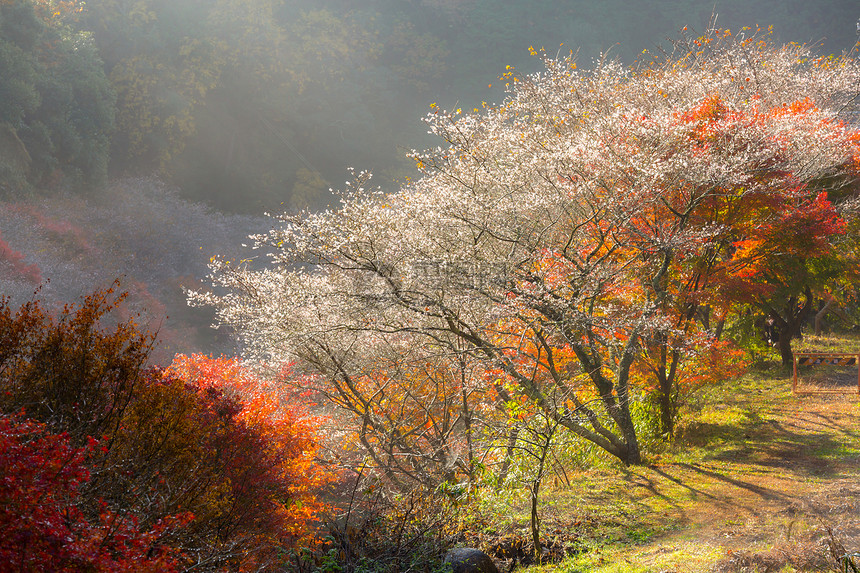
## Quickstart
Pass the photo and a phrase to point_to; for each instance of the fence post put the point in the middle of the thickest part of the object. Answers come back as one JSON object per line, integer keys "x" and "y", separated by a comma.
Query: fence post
{"x": 794, "y": 380}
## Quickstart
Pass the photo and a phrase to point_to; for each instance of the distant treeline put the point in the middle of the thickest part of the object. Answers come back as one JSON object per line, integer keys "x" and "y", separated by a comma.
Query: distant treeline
{"x": 263, "y": 104}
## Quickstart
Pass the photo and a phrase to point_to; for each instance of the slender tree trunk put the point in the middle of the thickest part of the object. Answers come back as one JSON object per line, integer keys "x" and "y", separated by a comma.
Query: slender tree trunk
{"x": 666, "y": 373}
{"x": 664, "y": 396}
{"x": 467, "y": 421}
{"x": 509, "y": 454}
{"x": 718, "y": 332}
{"x": 632, "y": 455}
{"x": 535, "y": 521}
{"x": 819, "y": 316}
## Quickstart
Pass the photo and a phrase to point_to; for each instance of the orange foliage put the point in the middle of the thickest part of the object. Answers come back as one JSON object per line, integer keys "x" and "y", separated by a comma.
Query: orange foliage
{"x": 282, "y": 418}
{"x": 801, "y": 230}
{"x": 65, "y": 11}
{"x": 718, "y": 362}
{"x": 230, "y": 470}
{"x": 707, "y": 364}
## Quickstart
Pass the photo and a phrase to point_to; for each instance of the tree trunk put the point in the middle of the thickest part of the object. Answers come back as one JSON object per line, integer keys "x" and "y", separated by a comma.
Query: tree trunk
{"x": 785, "y": 352}
{"x": 666, "y": 404}
{"x": 819, "y": 316}
{"x": 509, "y": 454}
{"x": 666, "y": 373}
{"x": 790, "y": 323}
{"x": 535, "y": 522}
{"x": 467, "y": 421}
{"x": 719, "y": 330}
{"x": 632, "y": 455}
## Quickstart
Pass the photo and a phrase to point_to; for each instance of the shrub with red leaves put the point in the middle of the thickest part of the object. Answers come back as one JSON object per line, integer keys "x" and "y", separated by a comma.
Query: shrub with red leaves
{"x": 42, "y": 526}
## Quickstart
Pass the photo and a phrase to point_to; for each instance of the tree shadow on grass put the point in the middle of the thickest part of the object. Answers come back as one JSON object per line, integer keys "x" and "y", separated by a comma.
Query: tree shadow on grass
{"x": 773, "y": 444}
{"x": 763, "y": 492}
{"x": 695, "y": 492}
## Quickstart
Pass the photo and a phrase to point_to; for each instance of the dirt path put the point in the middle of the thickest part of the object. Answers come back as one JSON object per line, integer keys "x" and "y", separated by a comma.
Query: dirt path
{"x": 760, "y": 481}
{"x": 788, "y": 494}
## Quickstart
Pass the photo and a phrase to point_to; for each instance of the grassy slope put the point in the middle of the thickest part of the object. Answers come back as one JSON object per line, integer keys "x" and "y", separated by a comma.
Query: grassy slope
{"x": 758, "y": 480}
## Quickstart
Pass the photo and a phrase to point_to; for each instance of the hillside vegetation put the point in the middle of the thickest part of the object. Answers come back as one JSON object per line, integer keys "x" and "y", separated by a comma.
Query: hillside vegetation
{"x": 758, "y": 479}
{"x": 566, "y": 340}
{"x": 572, "y": 268}
{"x": 111, "y": 465}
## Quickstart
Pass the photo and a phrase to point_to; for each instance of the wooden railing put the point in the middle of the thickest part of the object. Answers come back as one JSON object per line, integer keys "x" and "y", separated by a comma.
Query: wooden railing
{"x": 825, "y": 359}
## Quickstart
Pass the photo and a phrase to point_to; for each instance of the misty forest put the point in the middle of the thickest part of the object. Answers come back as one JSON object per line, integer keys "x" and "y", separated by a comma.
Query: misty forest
{"x": 381, "y": 286}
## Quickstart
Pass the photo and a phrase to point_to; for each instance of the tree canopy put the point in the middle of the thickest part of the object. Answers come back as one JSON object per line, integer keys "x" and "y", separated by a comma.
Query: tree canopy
{"x": 554, "y": 238}
{"x": 56, "y": 104}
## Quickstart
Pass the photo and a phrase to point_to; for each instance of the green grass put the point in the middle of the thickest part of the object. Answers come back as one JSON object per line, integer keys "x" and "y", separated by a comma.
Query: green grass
{"x": 731, "y": 487}
{"x": 849, "y": 342}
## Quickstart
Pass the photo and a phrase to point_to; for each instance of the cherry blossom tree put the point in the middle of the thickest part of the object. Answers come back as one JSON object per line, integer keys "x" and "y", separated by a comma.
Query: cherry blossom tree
{"x": 554, "y": 236}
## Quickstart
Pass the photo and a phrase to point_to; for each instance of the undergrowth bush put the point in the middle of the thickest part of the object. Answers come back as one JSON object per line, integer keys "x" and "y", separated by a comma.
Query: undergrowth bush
{"x": 384, "y": 532}
{"x": 239, "y": 493}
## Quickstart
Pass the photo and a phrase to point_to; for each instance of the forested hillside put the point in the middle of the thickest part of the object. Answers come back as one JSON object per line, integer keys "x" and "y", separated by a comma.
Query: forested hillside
{"x": 250, "y": 105}
{"x": 617, "y": 215}
{"x": 164, "y": 109}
